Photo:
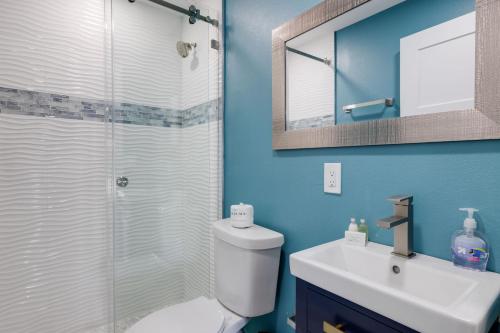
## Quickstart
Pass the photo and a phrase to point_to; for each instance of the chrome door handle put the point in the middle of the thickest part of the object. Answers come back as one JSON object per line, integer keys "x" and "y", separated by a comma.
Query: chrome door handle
{"x": 122, "y": 181}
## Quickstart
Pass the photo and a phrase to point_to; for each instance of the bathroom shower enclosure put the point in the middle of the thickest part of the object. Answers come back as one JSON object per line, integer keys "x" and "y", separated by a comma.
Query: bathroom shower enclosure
{"x": 110, "y": 160}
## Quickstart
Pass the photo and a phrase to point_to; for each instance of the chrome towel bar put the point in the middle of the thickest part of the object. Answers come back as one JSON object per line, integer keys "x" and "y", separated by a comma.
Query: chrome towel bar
{"x": 386, "y": 101}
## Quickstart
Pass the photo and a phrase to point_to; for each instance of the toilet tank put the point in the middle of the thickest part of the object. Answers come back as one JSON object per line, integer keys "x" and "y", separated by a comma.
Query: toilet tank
{"x": 246, "y": 268}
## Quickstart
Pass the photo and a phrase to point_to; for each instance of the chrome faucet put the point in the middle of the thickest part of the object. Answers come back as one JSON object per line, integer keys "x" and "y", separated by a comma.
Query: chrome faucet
{"x": 402, "y": 222}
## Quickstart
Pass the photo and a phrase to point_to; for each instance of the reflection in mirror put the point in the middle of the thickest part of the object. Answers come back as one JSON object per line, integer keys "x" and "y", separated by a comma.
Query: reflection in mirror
{"x": 383, "y": 59}
{"x": 310, "y": 80}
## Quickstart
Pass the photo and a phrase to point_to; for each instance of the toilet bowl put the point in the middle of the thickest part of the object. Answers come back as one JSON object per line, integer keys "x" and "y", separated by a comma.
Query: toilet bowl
{"x": 201, "y": 315}
{"x": 246, "y": 273}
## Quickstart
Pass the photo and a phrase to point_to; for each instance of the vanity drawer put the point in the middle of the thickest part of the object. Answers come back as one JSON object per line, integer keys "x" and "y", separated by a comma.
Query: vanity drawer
{"x": 324, "y": 314}
{"x": 319, "y": 311}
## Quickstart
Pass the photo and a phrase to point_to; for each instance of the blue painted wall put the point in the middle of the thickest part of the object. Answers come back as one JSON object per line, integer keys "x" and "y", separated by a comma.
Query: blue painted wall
{"x": 367, "y": 54}
{"x": 286, "y": 186}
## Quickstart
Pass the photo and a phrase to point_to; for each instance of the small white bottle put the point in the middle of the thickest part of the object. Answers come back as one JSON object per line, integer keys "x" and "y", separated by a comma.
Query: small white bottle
{"x": 353, "y": 226}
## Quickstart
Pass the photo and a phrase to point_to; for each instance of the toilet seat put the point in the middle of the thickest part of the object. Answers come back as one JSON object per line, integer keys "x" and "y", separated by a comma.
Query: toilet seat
{"x": 200, "y": 315}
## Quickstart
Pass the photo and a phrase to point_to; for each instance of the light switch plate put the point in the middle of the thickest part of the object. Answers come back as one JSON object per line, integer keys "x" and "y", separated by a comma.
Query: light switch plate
{"x": 332, "y": 178}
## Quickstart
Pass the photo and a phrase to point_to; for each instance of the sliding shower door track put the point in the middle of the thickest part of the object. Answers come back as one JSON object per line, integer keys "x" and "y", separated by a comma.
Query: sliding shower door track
{"x": 193, "y": 12}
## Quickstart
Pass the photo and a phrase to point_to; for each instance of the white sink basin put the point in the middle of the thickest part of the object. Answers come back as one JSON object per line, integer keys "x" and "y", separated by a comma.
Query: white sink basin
{"x": 429, "y": 294}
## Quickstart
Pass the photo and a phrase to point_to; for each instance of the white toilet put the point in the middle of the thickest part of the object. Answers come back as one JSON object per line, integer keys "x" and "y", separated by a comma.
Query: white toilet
{"x": 246, "y": 273}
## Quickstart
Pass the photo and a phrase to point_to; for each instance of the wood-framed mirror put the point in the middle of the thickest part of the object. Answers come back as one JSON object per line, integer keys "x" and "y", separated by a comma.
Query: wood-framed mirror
{"x": 376, "y": 72}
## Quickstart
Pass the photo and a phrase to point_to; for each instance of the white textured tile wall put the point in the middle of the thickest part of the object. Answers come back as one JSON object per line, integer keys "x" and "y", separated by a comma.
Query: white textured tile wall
{"x": 147, "y": 69}
{"x": 55, "y": 232}
{"x": 56, "y": 228}
{"x": 162, "y": 232}
{"x": 54, "y": 46}
{"x": 200, "y": 206}
{"x": 148, "y": 220}
{"x": 164, "y": 240}
{"x": 200, "y": 69}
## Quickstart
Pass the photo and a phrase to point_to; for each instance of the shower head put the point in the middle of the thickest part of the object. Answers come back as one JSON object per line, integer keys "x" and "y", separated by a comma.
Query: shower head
{"x": 184, "y": 48}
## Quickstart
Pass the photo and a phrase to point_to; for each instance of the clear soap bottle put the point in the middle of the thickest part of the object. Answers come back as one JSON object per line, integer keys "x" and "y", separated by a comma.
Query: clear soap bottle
{"x": 363, "y": 227}
{"x": 469, "y": 248}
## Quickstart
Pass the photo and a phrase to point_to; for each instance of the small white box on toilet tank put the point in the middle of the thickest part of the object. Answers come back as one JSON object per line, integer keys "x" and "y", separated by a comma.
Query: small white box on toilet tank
{"x": 246, "y": 267}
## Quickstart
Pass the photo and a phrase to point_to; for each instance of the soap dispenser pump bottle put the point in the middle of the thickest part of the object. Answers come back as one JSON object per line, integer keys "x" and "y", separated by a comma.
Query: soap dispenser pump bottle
{"x": 468, "y": 246}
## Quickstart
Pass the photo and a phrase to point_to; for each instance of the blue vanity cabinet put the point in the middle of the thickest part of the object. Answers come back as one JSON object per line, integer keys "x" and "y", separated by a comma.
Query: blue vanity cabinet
{"x": 319, "y": 311}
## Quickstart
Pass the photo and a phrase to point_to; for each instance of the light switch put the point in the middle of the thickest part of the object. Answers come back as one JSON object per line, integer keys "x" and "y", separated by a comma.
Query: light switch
{"x": 333, "y": 178}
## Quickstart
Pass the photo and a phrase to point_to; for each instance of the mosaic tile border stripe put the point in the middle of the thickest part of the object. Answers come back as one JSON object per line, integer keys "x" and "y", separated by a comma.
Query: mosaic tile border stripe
{"x": 321, "y": 121}
{"x": 39, "y": 104}
{"x": 201, "y": 114}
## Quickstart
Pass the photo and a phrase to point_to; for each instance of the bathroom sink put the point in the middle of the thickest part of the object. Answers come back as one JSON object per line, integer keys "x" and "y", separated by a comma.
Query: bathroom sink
{"x": 423, "y": 293}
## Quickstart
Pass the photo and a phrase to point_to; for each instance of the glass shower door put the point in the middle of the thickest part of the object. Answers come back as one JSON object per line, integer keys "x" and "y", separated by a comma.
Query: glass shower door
{"x": 165, "y": 142}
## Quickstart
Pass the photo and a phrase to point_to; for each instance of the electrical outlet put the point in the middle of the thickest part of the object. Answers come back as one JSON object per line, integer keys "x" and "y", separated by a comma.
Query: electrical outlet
{"x": 332, "y": 178}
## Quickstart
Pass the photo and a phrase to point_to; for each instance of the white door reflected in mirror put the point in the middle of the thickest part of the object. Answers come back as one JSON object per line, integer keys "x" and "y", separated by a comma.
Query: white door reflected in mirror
{"x": 438, "y": 68}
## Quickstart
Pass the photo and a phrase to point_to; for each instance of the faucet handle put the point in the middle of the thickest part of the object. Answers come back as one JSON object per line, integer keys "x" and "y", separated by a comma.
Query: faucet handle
{"x": 404, "y": 199}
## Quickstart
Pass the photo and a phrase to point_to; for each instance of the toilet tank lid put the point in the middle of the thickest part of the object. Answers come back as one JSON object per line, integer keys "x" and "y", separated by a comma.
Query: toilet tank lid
{"x": 252, "y": 238}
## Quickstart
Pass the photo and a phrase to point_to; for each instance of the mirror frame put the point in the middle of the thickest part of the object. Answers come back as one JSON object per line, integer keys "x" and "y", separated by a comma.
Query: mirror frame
{"x": 481, "y": 123}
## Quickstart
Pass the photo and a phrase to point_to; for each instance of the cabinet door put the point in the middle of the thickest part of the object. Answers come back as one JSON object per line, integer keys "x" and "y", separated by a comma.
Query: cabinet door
{"x": 325, "y": 315}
